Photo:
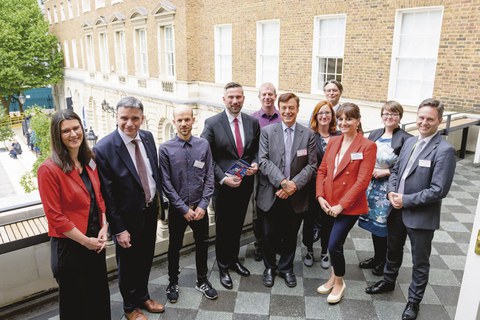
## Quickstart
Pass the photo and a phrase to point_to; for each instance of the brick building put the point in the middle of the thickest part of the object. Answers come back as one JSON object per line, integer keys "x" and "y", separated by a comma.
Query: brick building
{"x": 183, "y": 52}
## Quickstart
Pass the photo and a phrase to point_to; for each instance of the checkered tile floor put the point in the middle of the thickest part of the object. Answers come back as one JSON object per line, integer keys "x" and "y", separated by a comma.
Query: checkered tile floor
{"x": 249, "y": 299}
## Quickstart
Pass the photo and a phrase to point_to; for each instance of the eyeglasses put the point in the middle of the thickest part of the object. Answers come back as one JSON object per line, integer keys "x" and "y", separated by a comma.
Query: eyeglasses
{"x": 324, "y": 113}
{"x": 68, "y": 132}
{"x": 388, "y": 115}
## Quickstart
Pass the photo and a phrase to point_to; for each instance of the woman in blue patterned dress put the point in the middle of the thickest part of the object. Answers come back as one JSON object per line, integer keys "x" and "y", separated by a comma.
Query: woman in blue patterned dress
{"x": 389, "y": 141}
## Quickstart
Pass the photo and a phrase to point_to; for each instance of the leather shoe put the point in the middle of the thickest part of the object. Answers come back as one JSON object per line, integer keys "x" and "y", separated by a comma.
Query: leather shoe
{"x": 411, "y": 311}
{"x": 135, "y": 315}
{"x": 153, "y": 306}
{"x": 268, "y": 277}
{"x": 367, "y": 263}
{"x": 378, "y": 269}
{"x": 225, "y": 279}
{"x": 240, "y": 269}
{"x": 290, "y": 279}
{"x": 380, "y": 287}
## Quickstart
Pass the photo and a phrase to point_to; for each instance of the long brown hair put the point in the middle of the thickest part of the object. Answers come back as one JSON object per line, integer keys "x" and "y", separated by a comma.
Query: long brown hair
{"x": 352, "y": 111}
{"x": 314, "y": 122}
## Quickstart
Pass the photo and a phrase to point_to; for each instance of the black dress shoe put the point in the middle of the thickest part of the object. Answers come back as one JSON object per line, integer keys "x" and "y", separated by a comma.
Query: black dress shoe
{"x": 380, "y": 287}
{"x": 240, "y": 269}
{"x": 367, "y": 263}
{"x": 411, "y": 311}
{"x": 290, "y": 279}
{"x": 225, "y": 279}
{"x": 378, "y": 269}
{"x": 268, "y": 277}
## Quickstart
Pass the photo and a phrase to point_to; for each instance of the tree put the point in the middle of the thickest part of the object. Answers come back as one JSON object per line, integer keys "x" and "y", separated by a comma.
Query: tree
{"x": 29, "y": 55}
{"x": 6, "y": 131}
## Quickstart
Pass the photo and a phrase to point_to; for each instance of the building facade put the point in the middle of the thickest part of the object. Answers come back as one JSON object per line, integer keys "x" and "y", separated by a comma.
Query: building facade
{"x": 182, "y": 52}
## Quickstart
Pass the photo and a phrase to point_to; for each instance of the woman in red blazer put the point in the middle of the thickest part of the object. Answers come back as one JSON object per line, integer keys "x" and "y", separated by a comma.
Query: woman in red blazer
{"x": 70, "y": 192}
{"x": 342, "y": 181}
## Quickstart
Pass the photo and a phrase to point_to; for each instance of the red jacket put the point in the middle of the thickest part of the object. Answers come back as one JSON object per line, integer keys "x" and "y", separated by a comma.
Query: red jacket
{"x": 65, "y": 198}
{"x": 349, "y": 185}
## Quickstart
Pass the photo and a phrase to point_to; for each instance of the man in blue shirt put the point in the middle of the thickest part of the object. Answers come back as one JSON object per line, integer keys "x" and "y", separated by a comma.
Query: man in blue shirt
{"x": 188, "y": 182}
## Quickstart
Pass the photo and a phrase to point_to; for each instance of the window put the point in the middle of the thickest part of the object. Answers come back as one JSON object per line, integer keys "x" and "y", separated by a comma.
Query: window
{"x": 141, "y": 62}
{"x": 85, "y": 5}
{"x": 99, "y": 3}
{"x": 90, "y": 52}
{"x": 70, "y": 9}
{"x": 414, "y": 55}
{"x": 103, "y": 51}
{"x": 120, "y": 52}
{"x": 268, "y": 48}
{"x": 223, "y": 53}
{"x": 55, "y": 16}
{"x": 49, "y": 16}
{"x": 62, "y": 11}
{"x": 74, "y": 53}
{"x": 66, "y": 54}
{"x": 328, "y": 50}
{"x": 169, "y": 52}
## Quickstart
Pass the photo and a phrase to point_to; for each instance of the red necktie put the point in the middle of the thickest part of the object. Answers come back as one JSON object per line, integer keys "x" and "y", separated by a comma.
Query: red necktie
{"x": 238, "y": 138}
{"x": 142, "y": 171}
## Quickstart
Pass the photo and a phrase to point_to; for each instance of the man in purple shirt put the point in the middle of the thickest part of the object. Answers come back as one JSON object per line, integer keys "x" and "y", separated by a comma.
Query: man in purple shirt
{"x": 268, "y": 114}
{"x": 188, "y": 181}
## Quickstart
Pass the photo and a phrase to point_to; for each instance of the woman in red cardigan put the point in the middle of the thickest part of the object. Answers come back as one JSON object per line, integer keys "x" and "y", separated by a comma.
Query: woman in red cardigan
{"x": 342, "y": 180}
{"x": 70, "y": 192}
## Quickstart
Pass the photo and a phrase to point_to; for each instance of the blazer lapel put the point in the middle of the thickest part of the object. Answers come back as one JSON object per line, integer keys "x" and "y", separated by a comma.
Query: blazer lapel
{"x": 75, "y": 176}
{"x": 297, "y": 139}
{"x": 279, "y": 141}
{"x": 124, "y": 156}
{"x": 354, "y": 147}
{"x": 151, "y": 157}
{"x": 228, "y": 132}
{"x": 432, "y": 145}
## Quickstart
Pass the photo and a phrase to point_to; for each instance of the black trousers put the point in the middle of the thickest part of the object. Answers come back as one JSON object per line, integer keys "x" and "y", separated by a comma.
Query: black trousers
{"x": 177, "y": 225}
{"x": 421, "y": 241}
{"x": 280, "y": 229}
{"x": 230, "y": 209}
{"x": 81, "y": 275}
{"x": 134, "y": 263}
{"x": 315, "y": 217}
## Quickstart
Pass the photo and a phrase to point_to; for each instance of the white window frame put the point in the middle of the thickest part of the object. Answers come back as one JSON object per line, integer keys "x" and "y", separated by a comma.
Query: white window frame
{"x": 99, "y": 4}
{"x": 103, "y": 52}
{"x": 62, "y": 11}
{"x": 55, "y": 15}
{"x": 85, "y": 5}
{"x": 74, "y": 53}
{"x": 335, "y": 53}
{"x": 270, "y": 51}
{"x": 66, "y": 54}
{"x": 223, "y": 53}
{"x": 49, "y": 16}
{"x": 420, "y": 79}
{"x": 70, "y": 9}
{"x": 166, "y": 51}
{"x": 120, "y": 52}
{"x": 90, "y": 52}
{"x": 141, "y": 51}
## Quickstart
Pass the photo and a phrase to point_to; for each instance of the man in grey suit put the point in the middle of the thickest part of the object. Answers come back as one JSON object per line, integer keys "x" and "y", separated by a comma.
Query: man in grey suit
{"x": 419, "y": 181}
{"x": 287, "y": 163}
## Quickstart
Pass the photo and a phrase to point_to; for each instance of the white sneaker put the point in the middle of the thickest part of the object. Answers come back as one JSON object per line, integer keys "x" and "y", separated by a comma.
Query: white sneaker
{"x": 325, "y": 261}
{"x": 309, "y": 259}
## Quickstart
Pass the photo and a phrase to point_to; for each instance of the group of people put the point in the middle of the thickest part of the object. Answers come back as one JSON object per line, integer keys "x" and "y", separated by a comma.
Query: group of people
{"x": 328, "y": 176}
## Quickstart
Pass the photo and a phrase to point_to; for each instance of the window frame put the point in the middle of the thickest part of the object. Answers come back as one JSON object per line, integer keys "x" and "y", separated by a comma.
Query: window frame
{"x": 261, "y": 54}
{"x": 222, "y": 55}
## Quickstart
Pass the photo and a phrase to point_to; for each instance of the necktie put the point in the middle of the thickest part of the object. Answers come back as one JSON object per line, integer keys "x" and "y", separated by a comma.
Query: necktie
{"x": 288, "y": 152}
{"x": 142, "y": 171}
{"x": 416, "y": 151}
{"x": 238, "y": 138}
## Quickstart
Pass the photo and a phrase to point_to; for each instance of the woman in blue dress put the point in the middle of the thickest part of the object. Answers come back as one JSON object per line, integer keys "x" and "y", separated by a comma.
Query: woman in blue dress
{"x": 389, "y": 142}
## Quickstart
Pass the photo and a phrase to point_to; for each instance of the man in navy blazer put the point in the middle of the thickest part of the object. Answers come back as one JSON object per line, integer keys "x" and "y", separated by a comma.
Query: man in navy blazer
{"x": 232, "y": 136}
{"x": 132, "y": 201}
{"x": 419, "y": 181}
{"x": 282, "y": 195}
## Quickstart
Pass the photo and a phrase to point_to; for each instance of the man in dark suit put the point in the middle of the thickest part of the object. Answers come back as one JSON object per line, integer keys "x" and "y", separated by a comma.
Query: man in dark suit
{"x": 288, "y": 161}
{"x": 232, "y": 136}
{"x": 419, "y": 181}
{"x": 128, "y": 168}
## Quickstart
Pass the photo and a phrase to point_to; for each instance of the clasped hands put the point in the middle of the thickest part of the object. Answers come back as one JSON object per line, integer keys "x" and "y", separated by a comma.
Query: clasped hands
{"x": 288, "y": 188}
{"x": 98, "y": 244}
{"x": 196, "y": 214}
{"x": 396, "y": 199}
{"x": 333, "y": 211}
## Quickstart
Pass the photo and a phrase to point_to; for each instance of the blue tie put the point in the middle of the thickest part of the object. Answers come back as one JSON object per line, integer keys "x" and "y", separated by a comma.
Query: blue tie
{"x": 288, "y": 152}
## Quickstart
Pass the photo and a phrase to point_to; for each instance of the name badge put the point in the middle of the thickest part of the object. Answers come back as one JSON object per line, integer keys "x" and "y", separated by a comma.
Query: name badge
{"x": 357, "y": 156}
{"x": 92, "y": 164}
{"x": 425, "y": 163}
{"x": 301, "y": 153}
{"x": 199, "y": 164}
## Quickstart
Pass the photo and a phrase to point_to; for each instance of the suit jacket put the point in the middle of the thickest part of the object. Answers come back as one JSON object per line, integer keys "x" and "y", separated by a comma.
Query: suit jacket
{"x": 222, "y": 143}
{"x": 427, "y": 183}
{"x": 65, "y": 199}
{"x": 349, "y": 184}
{"x": 398, "y": 138}
{"x": 272, "y": 163}
{"x": 121, "y": 185}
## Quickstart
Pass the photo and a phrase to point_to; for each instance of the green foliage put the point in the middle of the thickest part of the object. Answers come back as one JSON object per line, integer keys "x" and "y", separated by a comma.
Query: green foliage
{"x": 6, "y": 131}
{"x": 40, "y": 123}
{"x": 29, "y": 55}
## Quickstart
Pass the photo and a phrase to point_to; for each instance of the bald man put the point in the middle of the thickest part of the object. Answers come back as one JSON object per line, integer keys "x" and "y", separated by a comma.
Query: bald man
{"x": 188, "y": 181}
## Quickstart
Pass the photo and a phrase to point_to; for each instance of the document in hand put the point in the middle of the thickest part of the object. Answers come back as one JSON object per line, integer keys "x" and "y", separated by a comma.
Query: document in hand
{"x": 238, "y": 169}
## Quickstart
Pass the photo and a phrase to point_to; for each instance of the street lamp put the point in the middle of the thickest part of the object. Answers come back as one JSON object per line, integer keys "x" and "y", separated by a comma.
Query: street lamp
{"x": 106, "y": 107}
{"x": 91, "y": 138}
{"x": 21, "y": 98}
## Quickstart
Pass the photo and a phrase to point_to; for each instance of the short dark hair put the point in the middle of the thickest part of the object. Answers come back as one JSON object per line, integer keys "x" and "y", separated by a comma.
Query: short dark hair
{"x": 231, "y": 85}
{"x": 130, "y": 102}
{"x": 335, "y": 82}
{"x": 284, "y": 97}
{"x": 350, "y": 110}
{"x": 59, "y": 153}
{"x": 392, "y": 106}
{"x": 430, "y": 102}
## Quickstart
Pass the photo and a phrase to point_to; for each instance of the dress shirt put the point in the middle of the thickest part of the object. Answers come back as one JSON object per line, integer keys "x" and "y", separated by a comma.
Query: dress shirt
{"x": 131, "y": 150}
{"x": 187, "y": 172}
{"x": 284, "y": 127}
{"x": 264, "y": 119}
{"x": 240, "y": 126}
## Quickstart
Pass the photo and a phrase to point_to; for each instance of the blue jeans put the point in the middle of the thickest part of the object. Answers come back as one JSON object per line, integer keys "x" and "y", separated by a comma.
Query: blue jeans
{"x": 340, "y": 229}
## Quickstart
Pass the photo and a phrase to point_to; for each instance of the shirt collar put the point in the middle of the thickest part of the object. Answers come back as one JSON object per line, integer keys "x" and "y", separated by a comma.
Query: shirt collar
{"x": 427, "y": 139}
{"x": 126, "y": 139}
{"x": 183, "y": 142}
{"x": 284, "y": 126}
{"x": 230, "y": 117}
{"x": 275, "y": 114}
